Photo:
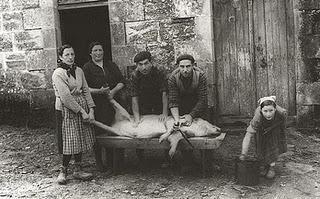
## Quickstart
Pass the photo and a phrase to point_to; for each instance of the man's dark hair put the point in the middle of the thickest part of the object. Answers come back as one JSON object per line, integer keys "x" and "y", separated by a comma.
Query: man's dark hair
{"x": 185, "y": 57}
{"x": 267, "y": 103}
{"x": 61, "y": 49}
{"x": 142, "y": 56}
{"x": 92, "y": 44}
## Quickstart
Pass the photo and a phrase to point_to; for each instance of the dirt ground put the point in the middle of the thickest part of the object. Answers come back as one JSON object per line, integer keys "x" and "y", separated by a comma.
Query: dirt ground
{"x": 29, "y": 166}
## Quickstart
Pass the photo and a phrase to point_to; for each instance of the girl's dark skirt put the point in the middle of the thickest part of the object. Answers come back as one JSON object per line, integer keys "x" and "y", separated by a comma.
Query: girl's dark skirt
{"x": 270, "y": 145}
{"x": 77, "y": 136}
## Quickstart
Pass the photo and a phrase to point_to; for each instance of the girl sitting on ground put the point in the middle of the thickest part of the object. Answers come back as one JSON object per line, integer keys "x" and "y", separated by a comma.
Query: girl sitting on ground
{"x": 268, "y": 128}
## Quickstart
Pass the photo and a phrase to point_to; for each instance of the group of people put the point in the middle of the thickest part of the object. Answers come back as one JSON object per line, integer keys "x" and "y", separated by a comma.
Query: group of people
{"x": 82, "y": 96}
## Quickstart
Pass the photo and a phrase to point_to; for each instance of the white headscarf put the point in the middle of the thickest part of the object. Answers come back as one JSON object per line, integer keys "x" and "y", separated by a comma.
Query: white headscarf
{"x": 271, "y": 98}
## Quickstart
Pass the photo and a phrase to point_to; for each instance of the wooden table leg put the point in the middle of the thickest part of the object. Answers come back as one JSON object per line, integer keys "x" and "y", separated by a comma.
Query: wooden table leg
{"x": 118, "y": 159}
{"x": 205, "y": 162}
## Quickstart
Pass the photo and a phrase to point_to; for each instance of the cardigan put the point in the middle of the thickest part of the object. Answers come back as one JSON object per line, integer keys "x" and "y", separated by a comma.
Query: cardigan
{"x": 65, "y": 87}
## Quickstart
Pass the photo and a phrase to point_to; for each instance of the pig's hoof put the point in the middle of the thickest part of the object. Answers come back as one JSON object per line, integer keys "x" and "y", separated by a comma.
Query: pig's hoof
{"x": 172, "y": 152}
{"x": 162, "y": 137}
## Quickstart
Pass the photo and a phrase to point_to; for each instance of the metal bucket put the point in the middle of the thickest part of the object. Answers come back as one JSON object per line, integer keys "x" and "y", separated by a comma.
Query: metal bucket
{"x": 247, "y": 172}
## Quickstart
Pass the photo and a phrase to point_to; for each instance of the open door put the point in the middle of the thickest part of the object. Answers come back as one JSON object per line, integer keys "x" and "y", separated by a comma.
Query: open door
{"x": 81, "y": 26}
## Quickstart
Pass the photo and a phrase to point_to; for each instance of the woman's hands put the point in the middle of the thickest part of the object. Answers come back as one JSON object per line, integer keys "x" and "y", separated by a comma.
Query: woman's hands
{"x": 84, "y": 115}
{"x": 242, "y": 157}
{"x": 87, "y": 117}
{"x": 163, "y": 117}
{"x": 91, "y": 115}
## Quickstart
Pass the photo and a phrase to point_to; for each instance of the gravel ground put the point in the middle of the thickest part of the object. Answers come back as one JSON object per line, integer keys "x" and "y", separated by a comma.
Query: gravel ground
{"x": 29, "y": 166}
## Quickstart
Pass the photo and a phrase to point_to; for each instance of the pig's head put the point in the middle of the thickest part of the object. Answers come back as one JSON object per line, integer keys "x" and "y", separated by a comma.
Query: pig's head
{"x": 209, "y": 128}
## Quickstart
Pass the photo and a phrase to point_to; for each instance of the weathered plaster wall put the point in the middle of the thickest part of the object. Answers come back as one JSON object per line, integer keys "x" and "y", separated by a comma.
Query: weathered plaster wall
{"x": 308, "y": 60}
{"x": 166, "y": 29}
{"x": 27, "y": 44}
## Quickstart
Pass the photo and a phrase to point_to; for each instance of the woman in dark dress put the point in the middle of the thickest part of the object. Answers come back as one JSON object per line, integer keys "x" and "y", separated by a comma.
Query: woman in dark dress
{"x": 268, "y": 128}
{"x": 105, "y": 81}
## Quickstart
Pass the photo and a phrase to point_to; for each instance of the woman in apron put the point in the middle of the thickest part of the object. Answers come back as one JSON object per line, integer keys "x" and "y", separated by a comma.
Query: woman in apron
{"x": 74, "y": 101}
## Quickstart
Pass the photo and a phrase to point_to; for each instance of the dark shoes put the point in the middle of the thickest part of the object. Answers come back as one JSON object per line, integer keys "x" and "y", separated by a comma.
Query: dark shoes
{"x": 62, "y": 177}
{"x": 77, "y": 174}
{"x": 268, "y": 172}
{"x": 271, "y": 173}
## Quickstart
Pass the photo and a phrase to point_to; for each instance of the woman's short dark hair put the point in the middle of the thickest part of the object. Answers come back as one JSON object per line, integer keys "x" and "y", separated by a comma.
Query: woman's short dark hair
{"x": 93, "y": 44}
{"x": 61, "y": 49}
{"x": 267, "y": 103}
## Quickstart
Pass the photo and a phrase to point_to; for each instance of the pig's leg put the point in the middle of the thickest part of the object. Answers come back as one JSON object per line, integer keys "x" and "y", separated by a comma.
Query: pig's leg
{"x": 106, "y": 127}
{"x": 120, "y": 110}
{"x": 165, "y": 135}
{"x": 174, "y": 141}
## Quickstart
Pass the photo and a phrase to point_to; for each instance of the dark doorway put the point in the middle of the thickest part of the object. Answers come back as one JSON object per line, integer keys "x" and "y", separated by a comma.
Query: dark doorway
{"x": 81, "y": 26}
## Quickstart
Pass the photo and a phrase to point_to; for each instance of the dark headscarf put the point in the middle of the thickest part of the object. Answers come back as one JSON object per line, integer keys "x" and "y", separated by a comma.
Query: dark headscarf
{"x": 71, "y": 70}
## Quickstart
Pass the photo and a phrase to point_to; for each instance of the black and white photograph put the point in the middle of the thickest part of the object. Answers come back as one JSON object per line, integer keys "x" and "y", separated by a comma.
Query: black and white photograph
{"x": 172, "y": 99}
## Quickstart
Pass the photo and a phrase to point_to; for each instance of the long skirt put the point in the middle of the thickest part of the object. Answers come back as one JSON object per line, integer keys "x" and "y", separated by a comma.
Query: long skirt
{"x": 77, "y": 136}
{"x": 271, "y": 145}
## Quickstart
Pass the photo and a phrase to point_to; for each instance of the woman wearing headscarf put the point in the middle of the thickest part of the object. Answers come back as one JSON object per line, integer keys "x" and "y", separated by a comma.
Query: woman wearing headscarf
{"x": 268, "y": 128}
{"x": 74, "y": 100}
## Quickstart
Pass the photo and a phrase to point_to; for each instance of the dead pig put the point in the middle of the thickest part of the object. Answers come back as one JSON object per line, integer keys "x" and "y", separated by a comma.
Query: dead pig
{"x": 150, "y": 127}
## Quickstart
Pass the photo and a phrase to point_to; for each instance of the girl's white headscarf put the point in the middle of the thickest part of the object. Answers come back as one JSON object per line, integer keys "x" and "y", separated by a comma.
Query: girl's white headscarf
{"x": 271, "y": 98}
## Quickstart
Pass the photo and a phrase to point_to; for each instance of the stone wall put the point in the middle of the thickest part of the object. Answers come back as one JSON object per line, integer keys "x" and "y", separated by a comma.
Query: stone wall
{"x": 27, "y": 44}
{"x": 166, "y": 29}
{"x": 308, "y": 82}
{"x": 27, "y": 59}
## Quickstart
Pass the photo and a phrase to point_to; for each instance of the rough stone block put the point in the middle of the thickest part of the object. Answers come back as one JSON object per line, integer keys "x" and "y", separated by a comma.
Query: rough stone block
{"x": 196, "y": 48}
{"x": 188, "y": 8}
{"x": 41, "y": 59}
{"x": 15, "y": 60}
{"x": 31, "y": 18}
{"x": 309, "y": 5}
{"x": 5, "y": 42}
{"x": 311, "y": 46}
{"x": 155, "y": 9}
{"x": 127, "y": 52}
{"x": 145, "y": 32}
{"x": 308, "y": 94}
{"x": 126, "y": 11}
{"x": 12, "y": 21}
{"x": 28, "y": 40}
{"x": 23, "y": 4}
{"x": 305, "y": 116}
{"x": 49, "y": 38}
{"x": 118, "y": 35}
{"x": 4, "y": 5}
{"x": 163, "y": 56}
{"x": 177, "y": 30}
{"x": 123, "y": 63}
{"x": 15, "y": 56}
{"x": 16, "y": 65}
{"x": 47, "y": 3}
{"x": 31, "y": 80}
{"x": 310, "y": 22}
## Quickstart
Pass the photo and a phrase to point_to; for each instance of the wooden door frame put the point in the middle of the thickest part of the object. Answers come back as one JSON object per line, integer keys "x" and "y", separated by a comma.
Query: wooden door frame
{"x": 69, "y": 6}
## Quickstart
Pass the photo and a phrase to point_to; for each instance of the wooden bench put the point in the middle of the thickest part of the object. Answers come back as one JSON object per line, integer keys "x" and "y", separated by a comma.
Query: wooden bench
{"x": 118, "y": 144}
